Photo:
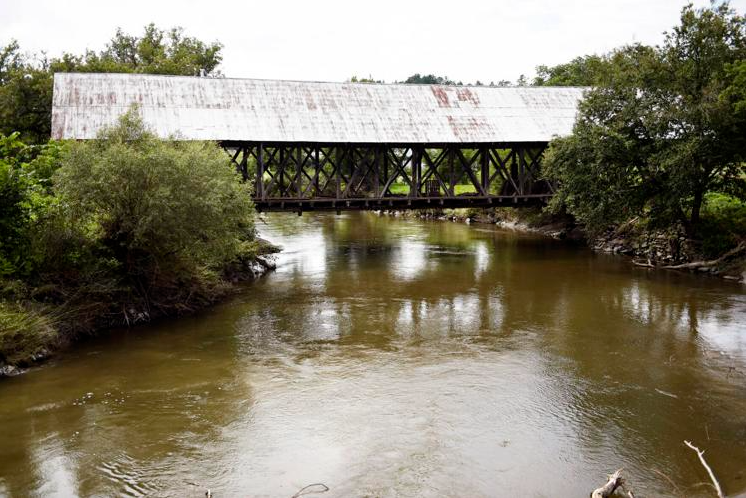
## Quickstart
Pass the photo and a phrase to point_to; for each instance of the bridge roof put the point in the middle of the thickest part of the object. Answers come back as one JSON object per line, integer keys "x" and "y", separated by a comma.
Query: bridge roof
{"x": 253, "y": 110}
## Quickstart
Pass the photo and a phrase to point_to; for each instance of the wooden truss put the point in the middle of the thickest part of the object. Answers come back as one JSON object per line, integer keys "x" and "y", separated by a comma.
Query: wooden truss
{"x": 304, "y": 177}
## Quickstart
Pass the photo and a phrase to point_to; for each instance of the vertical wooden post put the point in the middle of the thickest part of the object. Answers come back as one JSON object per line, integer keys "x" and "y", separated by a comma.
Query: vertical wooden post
{"x": 377, "y": 170}
{"x": 279, "y": 168}
{"x": 350, "y": 169}
{"x": 260, "y": 171}
{"x": 317, "y": 170}
{"x": 384, "y": 168}
{"x": 243, "y": 167}
{"x": 514, "y": 170}
{"x": 451, "y": 158}
{"x": 522, "y": 170}
{"x": 298, "y": 171}
{"x": 484, "y": 162}
{"x": 417, "y": 169}
{"x": 338, "y": 174}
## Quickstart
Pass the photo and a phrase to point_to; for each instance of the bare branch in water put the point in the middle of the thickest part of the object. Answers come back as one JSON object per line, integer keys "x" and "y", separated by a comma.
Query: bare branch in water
{"x": 311, "y": 489}
{"x": 715, "y": 482}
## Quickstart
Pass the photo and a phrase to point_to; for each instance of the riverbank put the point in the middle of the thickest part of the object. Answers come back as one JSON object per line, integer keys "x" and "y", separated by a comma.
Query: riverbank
{"x": 31, "y": 330}
{"x": 667, "y": 249}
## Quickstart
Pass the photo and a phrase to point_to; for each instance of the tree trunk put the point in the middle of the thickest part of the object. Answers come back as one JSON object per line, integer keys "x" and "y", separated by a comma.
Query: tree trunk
{"x": 696, "y": 209}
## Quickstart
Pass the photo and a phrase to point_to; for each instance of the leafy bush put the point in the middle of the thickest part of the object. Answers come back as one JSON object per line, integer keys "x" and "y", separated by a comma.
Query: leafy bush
{"x": 723, "y": 224}
{"x": 164, "y": 216}
{"x": 25, "y": 173}
{"x": 115, "y": 230}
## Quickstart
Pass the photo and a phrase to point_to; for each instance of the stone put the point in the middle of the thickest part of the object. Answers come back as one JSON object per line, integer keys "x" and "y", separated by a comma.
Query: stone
{"x": 9, "y": 371}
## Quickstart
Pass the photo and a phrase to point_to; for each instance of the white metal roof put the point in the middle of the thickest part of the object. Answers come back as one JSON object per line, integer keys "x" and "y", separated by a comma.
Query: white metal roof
{"x": 194, "y": 108}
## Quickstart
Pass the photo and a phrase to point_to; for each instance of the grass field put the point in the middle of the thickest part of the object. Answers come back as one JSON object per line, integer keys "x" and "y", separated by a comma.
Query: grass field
{"x": 403, "y": 188}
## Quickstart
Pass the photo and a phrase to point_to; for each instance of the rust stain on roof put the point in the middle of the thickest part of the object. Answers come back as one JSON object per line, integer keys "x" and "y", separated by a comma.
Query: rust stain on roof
{"x": 295, "y": 111}
{"x": 440, "y": 95}
{"x": 465, "y": 94}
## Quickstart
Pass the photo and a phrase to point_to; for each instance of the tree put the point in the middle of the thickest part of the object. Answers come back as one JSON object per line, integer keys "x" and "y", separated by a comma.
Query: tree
{"x": 13, "y": 195}
{"x": 662, "y": 129}
{"x": 164, "y": 210}
{"x": 25, "y": 193}
{"x": 10, "y": 61}
{"x": 735, "y": 94}
{"x": 428, "y": 79}
{"x": 589, "y": 70}
{"x": 155, "y": 52}
{"x": 26, "y": 82}
{"x": 369, "y": 79}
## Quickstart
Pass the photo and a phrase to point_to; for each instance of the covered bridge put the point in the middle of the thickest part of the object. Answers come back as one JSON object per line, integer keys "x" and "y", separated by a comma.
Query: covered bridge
{"x": 312, "y": 145}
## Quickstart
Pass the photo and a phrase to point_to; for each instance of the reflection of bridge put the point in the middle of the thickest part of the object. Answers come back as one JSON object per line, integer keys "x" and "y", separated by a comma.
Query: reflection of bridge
{"x": 309, "y": 146}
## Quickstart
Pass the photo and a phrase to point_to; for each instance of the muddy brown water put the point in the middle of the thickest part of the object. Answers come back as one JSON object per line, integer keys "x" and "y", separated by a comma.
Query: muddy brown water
{"x": 390, "y": 357}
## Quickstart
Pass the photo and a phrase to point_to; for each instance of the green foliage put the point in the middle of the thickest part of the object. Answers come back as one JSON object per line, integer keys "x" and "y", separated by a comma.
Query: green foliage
{"x": 12, "y": 216}
{"x": 429, "y": 79}
{"x": 159, "y": 208}
{"x": 661, "y": 131}
{"x": 403, "y": 188}
{"x": 26, "y": 102}
{"x": 156, "y": 51}
{"x": 723, "y": 224}
{"x": 116, "y": 230}
{"x": 735, "y": 95}
{"x": 26, "y": 82}
{"x": 24, "y": 195}
{"x": 590, "y": 70}
{"x": 369, "y": 79}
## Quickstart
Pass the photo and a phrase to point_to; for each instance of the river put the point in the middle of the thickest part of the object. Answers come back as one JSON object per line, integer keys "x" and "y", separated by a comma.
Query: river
{"x": 400, "y": 357}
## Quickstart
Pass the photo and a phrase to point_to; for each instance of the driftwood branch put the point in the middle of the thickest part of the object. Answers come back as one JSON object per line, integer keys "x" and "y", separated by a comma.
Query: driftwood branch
{"x": 670, "y": 481}
{"x": 694, "y": 264}
{"x": 704, "y": 264}
{"x": 605, "y": 491}
{"x": 715, "y": 482}
{"x": 311, "y": 489}
{"x": 629, "y": 492}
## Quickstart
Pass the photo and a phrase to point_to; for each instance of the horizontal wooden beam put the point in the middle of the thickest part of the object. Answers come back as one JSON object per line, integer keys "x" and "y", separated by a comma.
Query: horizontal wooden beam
{"x": 397, "y": 203}
{"x": 229, "y": 144}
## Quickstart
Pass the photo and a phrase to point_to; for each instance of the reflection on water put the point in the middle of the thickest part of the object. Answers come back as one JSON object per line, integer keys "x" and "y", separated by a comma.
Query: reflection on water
{"x": 391, "y": 357}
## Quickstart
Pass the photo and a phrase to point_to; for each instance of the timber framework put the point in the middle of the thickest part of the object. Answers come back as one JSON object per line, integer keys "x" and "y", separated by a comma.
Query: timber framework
{"x": 337, "y": 146}
{"x": 354, "y": 177}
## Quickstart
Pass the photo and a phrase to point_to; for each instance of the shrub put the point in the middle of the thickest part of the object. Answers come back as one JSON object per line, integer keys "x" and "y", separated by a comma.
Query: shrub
{"x": 163, "y": 216}
{"x": 25, "y": 173}
{"x": 723, "y": 224}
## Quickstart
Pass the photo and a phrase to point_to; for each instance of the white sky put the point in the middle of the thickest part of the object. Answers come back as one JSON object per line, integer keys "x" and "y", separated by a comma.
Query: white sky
{"x": 331, "y": 40}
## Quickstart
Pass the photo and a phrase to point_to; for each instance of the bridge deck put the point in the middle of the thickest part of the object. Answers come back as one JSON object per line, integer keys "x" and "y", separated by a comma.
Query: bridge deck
{"x": 396, "y": 203}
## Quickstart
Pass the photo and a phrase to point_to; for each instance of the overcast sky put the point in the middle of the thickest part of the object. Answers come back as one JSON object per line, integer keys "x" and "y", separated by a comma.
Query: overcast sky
{"x": 332, "y": 40}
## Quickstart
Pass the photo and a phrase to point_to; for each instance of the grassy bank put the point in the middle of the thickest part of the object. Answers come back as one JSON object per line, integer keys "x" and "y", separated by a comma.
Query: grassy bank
{"x": 36, "y": 323}
{"x": 26, "y": 334}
